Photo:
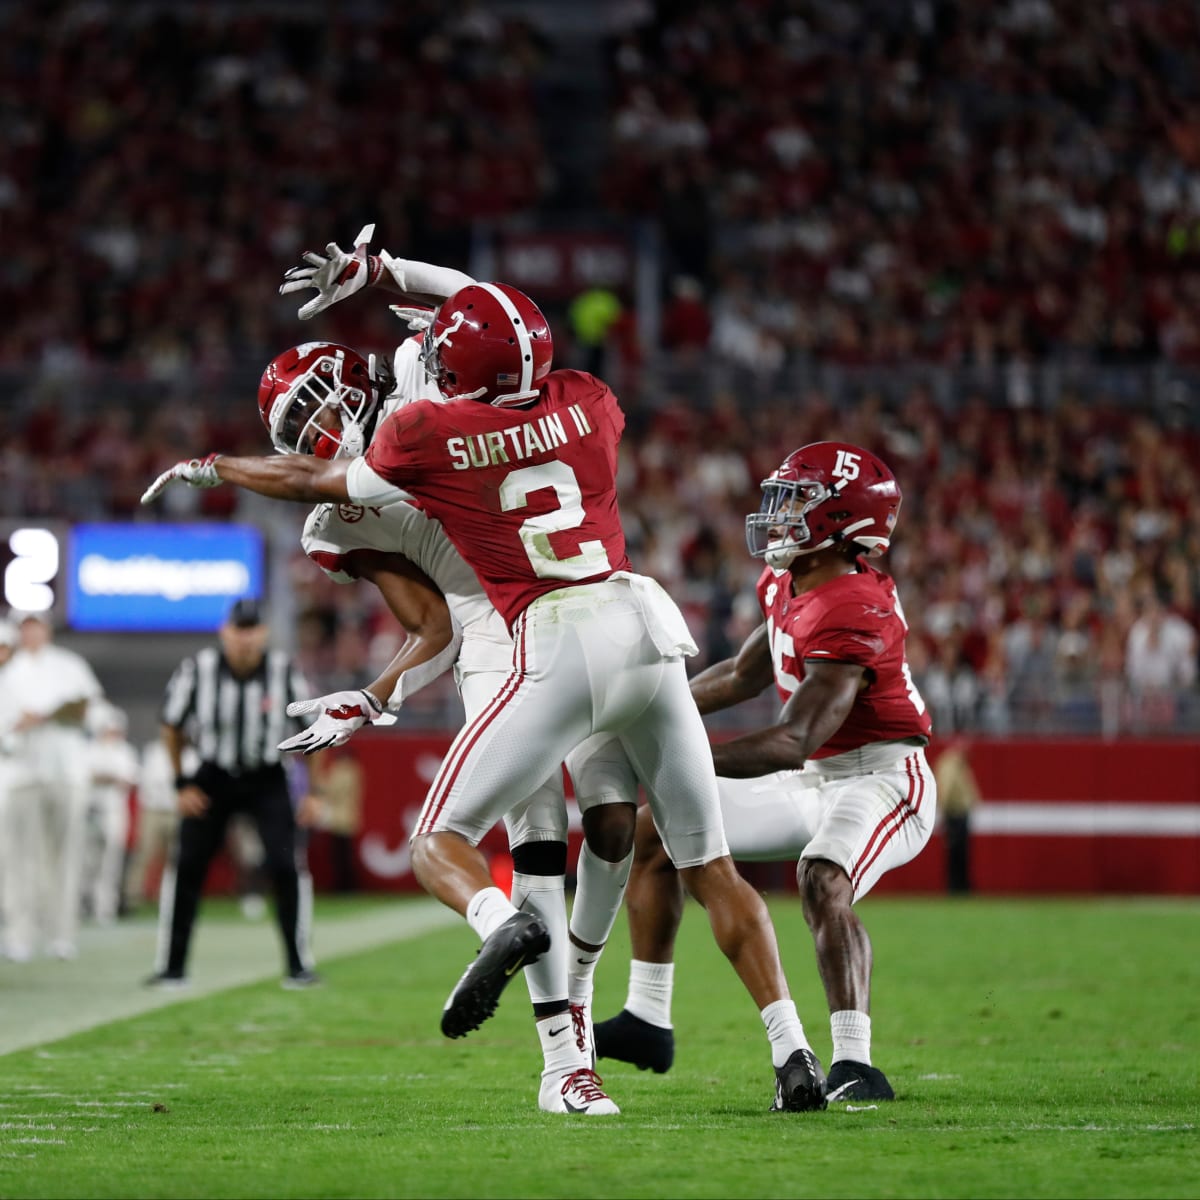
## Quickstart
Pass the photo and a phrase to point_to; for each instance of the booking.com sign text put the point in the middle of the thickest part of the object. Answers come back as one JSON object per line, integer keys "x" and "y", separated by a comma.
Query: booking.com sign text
{"x": 160, "y": 578}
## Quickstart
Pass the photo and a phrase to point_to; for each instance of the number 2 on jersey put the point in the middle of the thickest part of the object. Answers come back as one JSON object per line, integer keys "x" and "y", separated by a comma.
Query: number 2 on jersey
{"x": 535, "y": 532}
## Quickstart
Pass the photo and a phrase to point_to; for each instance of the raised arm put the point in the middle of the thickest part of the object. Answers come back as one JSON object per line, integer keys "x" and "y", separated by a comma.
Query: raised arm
{"x": 338, "y": 274}
{"x": 280, "y": 477}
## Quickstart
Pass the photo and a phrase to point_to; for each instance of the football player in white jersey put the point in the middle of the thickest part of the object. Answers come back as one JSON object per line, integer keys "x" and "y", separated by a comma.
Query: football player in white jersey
{"x": 325, "y": 400}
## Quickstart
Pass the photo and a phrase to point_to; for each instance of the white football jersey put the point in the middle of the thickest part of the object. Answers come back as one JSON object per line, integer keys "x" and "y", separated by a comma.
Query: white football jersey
{"x": 333, "y": 530}
{"x": 410, "y": 381}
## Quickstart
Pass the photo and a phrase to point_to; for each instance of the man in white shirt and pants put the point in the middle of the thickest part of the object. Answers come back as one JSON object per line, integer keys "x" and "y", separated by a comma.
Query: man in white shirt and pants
{"x": 157, "y": 817}
{"x": 46, "y": 693}
{"x": 113, "y": 773}
{"x": 8, "y": 646}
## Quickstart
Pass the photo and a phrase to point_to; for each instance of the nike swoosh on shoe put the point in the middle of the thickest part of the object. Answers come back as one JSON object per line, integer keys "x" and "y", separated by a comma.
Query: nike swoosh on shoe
{"x": 836, "y": 1094}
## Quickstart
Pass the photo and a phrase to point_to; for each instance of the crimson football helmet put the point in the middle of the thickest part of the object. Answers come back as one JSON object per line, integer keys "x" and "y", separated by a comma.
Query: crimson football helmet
{"x": 824, "y": 494}
{"x": 488, "y": 342}
{"x": 319, "y": 398}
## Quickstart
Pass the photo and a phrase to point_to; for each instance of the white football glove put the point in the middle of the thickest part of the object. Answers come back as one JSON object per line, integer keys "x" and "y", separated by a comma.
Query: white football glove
{"x": 342, "y": 714}
{"x": 335, "y": 274}
{"x": 417, "y": 319}
{"x": 196, "y": 472}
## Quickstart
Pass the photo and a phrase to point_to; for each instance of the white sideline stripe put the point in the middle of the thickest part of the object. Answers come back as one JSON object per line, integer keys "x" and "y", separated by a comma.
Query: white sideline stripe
{"x": 1108, "y": 820}
{"x": 48, "y": 1000}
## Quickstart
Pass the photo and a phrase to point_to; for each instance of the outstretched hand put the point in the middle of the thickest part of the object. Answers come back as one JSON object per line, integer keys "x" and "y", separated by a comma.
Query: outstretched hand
{"x": 342, "y": 714}
{"x": 196, "y": 472}
{"x": 335, "y": 274}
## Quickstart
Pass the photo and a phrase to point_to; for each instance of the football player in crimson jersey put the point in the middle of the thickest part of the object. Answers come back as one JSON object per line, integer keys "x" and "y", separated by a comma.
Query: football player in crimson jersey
{"x": 840, "y": 781}
{"x": 519, "y": 465}
{"x": 324, "y": 399}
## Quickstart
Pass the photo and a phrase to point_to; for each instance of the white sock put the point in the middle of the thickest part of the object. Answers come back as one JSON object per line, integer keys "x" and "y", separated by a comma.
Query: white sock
{"x": 487, "y": 910}
{"x": 544, "y": 896}
{"x": 560, "y": 1053}
{"x": 650, "y": 986}
{"x": 581, "y": 973}
{"x": 784, "y": 1030}
{"x": 851, "y": 1036}
{"x": 599, "y": 890}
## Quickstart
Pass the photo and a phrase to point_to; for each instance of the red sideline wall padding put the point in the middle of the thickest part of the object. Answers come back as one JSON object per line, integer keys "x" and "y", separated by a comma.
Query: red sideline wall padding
{"x": 1040, "y": 829}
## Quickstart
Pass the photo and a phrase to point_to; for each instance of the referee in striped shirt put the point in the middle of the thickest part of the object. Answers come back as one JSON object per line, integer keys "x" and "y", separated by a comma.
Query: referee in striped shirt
{"x": 229, "y": 703}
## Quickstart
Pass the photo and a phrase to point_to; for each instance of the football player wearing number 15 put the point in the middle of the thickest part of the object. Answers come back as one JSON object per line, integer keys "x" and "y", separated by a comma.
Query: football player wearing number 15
{"x": 519, "y": 464}
{"x": 839, "y": 781}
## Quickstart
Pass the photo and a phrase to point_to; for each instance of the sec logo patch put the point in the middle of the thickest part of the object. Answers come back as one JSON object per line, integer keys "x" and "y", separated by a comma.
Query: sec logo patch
{"x": 772, "y": 592}
{"x": 350, "y": 513}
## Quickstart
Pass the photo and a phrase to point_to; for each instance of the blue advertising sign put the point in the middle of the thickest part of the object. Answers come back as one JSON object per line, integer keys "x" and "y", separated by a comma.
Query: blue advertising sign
{"x": 160, "y": 578}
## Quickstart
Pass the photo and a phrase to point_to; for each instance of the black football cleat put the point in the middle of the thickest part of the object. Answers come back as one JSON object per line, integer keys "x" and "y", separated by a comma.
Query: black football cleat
{"x": 799, "y": 1084}
{"x": 166, "y": 981}
{"x": 630, "y": 1039}
{"x": 299, "y": 981}
{"x": 521, "y": 940}
{"x": 856, "y": 1081}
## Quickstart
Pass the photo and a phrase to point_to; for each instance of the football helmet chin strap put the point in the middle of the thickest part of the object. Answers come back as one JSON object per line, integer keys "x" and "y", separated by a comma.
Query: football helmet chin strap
{"x": 782, "y": 554}
{"x": 355, "y": 433}
{"x": 354, "y": 440}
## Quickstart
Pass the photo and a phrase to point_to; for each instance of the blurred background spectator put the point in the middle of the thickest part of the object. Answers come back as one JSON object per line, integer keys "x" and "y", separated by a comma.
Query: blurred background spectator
{"x": 113, "y": 774}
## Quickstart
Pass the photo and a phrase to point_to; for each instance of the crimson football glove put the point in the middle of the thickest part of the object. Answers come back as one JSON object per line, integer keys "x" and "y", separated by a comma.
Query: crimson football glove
{"x": 335, "y": 274}
{"x": 196, "y": 472}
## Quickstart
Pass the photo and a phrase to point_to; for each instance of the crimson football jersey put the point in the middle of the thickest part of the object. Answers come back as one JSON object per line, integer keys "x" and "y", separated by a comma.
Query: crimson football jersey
{"x": 528, "y": 495}
{"x": 852, "y": 619}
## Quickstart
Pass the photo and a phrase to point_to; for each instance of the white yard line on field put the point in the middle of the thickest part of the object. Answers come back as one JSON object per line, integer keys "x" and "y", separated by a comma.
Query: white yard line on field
{"x": 43, "y": 1001}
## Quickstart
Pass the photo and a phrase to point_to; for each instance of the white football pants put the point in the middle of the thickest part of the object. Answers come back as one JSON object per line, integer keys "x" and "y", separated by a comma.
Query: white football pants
{"x": 107, "y": 829}
{"x": 45, "y": 823}
{"x": 868, "y": 810}
{"x": 585, "y": 663}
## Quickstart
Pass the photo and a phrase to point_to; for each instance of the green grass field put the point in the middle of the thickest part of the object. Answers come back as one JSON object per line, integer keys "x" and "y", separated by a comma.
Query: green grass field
{"x": 1037, "y": 1049}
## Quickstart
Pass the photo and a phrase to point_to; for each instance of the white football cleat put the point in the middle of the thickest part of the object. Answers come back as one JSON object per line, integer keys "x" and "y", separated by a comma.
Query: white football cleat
{"x": 576, "y": 1091}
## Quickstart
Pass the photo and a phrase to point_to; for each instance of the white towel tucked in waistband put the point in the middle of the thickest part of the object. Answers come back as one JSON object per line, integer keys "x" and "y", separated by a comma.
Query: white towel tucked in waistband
{"x": 663, "y": 619}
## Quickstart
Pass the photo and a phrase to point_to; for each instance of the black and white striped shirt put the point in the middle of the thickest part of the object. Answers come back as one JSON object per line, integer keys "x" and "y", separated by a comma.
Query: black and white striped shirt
{"x": 235, "y": 724}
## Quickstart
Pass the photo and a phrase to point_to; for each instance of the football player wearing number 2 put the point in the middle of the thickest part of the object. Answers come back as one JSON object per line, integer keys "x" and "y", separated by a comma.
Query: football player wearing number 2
{"x": 840, "y": 781}
{"x": 519, "y": 465}
{"x": 327, "y": 400}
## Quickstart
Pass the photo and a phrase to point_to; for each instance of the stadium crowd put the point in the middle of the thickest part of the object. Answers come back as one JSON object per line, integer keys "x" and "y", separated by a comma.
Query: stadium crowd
{"x": 930, "y": 180}
{"x": 878, "y": 182}
{"x": 841, "y": 211}
{"x": 158, "y": 159}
